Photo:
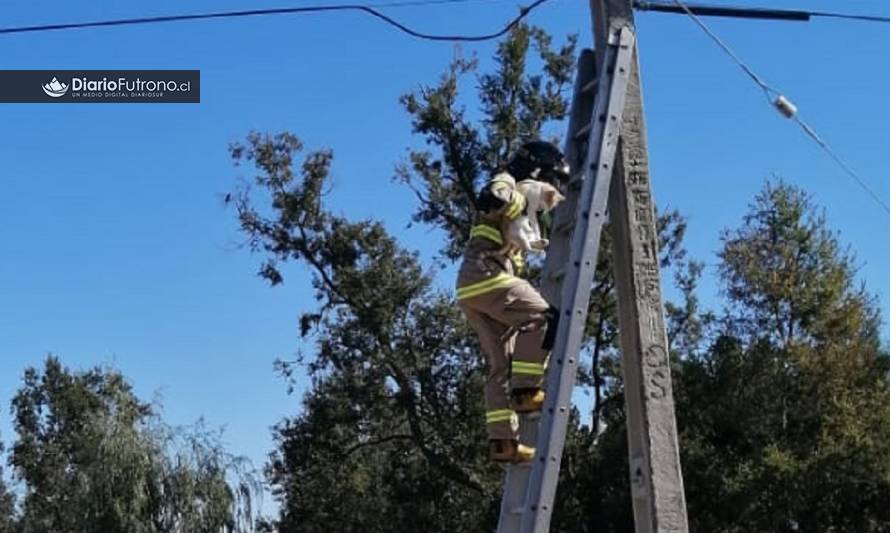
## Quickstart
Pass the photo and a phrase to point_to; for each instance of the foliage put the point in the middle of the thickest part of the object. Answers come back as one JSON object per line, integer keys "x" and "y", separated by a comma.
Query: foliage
{"x": 92, "y": 457}
{"x": 7, "y": 504}
{"x": 396, "y": 378}
{"x": 788, "y": 412}
{"x": 516, "y": 105}
{"x": 782, "y": 403}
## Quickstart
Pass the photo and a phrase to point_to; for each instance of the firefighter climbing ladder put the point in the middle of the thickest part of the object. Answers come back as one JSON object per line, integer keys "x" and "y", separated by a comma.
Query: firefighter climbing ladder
{"x": 606, "y": 148}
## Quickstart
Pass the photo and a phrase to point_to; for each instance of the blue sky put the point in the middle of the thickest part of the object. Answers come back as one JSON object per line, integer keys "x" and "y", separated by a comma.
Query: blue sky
{"x": 116, "y": 247}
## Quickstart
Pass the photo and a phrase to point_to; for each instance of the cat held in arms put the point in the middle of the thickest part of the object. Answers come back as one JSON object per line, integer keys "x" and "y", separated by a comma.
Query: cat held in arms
{"x": 524, "y": 233}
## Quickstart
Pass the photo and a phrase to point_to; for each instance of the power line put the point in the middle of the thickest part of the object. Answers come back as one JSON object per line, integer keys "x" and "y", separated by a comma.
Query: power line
{"x": 785, "y": 107}
{"x": 410, "y": 3}
{"x": 753, "y": 12}
{"x": 849, "y": 16}
{"x": 725, "y": 11}
{"x": 367, "y": 9}
{"x": 840, "y": 161}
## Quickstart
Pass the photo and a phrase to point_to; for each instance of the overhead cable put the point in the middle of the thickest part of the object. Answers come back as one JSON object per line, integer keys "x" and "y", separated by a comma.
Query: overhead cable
{"x": 796, "y": 15}
{"x": 288, "y": 11}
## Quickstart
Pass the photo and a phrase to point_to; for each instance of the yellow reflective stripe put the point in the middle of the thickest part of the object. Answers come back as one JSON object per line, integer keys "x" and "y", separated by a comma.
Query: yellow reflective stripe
{"x": 501, "y": 280}
{"x": 516, "y": 206}
{"x": 488, "y": 232}
{"x": 518, "y": 262}
{"x": 498, "y": 414}
{"x": 501, "y": 415}
{"x": 529, "y": 369}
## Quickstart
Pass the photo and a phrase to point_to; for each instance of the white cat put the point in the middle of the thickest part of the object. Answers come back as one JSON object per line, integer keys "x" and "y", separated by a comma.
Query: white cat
{"x": 524, "y": 233}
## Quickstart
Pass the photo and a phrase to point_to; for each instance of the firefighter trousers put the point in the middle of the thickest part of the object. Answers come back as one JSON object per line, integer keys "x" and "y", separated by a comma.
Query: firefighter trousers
{"x": 511, "y": 323}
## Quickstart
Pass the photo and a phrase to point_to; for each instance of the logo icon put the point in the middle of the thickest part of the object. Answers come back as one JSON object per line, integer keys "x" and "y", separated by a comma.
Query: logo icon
{"x": 55, "y": 88}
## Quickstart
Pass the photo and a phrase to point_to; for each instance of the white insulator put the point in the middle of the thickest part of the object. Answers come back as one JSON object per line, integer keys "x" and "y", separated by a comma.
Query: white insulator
{"x": 785, "y": 106}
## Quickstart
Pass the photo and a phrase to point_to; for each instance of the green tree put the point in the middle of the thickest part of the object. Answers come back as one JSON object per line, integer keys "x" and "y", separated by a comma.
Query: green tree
{"x": 787, "y": 415}
{"x": 390, "y": 430}
{"x": 782, "y": 403}
{"x": 92, "y": 457}
{"x": 516, "y": 105}
{"x": 7, "y": 503}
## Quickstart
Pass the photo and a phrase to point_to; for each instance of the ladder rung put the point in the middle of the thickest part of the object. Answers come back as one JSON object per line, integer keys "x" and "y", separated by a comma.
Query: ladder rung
{"x": 565, "y": 226}
{"x": 583, "y": 133}
{"x": 576, "y": 181}
{"x": 590, "y": 86}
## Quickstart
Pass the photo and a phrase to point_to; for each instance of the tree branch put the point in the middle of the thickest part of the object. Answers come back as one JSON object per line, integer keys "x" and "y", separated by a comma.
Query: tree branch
{"x": 383, "y": 440}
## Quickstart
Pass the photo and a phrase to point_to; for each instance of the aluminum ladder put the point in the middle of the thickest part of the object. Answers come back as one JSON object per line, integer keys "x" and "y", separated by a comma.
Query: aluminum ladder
{"x": 597, "y": 106}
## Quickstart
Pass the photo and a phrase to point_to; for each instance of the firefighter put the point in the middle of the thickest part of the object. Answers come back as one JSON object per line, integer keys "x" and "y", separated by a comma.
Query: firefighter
{"x": 515, "y": 324}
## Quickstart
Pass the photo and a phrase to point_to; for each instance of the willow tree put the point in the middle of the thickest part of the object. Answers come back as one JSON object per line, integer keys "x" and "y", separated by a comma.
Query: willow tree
{"x": 91, "y": 457}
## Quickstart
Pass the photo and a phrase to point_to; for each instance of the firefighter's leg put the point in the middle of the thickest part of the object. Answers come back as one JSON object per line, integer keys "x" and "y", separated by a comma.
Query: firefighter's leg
{"x": 525, "y": 309}
{"x": 499, "y": 415}
{"x": 502, "y": 424}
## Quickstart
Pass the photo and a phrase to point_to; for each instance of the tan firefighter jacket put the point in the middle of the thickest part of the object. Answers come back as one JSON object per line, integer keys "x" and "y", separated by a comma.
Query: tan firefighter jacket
{"x": 483, "y": 271}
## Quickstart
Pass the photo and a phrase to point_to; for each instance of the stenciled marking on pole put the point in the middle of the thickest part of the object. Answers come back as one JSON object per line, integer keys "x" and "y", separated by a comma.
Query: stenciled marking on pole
{"x": 656, "y": 359}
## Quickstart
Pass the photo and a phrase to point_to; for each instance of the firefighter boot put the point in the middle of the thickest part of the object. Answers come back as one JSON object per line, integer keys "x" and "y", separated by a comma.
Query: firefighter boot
{"x": 510, "y": 451}
{"x": 528, "y": 400}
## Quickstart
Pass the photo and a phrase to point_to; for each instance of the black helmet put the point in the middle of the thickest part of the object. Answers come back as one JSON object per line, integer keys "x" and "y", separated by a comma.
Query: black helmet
{"x": 539, "y": 160}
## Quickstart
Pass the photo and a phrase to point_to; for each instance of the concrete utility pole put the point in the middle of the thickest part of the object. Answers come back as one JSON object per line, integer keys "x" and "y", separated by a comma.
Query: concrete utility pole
{"x": 656, "y": 480}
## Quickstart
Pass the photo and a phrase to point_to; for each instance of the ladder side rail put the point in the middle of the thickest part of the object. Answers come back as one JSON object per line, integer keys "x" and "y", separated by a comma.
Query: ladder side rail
{"x": 515, "y": 485}
{"x": 576, "y": 288}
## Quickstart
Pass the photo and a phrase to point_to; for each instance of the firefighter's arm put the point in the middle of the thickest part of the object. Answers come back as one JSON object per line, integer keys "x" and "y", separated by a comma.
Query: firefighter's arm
{"x": 500, "y": 197}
